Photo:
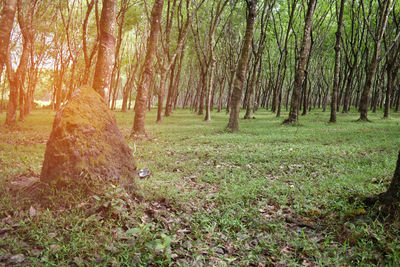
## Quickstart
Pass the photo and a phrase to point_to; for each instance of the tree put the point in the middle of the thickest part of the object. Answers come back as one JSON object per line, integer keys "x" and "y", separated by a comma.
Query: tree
{"x": 147, "y": 74}
{"x": 282, "y": 65}
{"x": 17, "y": 78}
{"x": 233, "y": 124}
{"x": 337, "y": 64}
{"x": 211, "y": 62}
{"x": 372, "y": 66}
{"x": 6, "y": 23}
{"x": 105, "y": 57}
{"x": 392, "y": 194}
{"x": 257, "y": 53}
{"x": 88, "y": 54}
{"x": 300, "y": 70}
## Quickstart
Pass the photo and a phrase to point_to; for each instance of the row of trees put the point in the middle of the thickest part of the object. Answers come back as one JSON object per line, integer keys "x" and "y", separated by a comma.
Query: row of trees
{"x": 202, "y": 54}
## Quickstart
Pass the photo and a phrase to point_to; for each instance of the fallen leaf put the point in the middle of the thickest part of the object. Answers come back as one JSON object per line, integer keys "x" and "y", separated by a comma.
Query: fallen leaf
{"x": 55, "y": 247}
{"x": 17, "y": 258}
{"x": 32, "y": 212}
{"x": 52, "y": 235}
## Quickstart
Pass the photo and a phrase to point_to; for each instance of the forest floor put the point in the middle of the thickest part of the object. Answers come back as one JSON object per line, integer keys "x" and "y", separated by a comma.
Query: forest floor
{"x": 270, "y": 195}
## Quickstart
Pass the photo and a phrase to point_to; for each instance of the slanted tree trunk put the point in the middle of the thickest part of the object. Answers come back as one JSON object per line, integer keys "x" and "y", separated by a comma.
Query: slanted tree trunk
{"x": 299, "y": 75}
{"x": 233, "y": 125}
{"x": 147, "y": 74}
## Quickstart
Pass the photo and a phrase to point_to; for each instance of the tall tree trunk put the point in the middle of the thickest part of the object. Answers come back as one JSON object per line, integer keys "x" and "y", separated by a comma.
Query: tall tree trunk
{"x": 337, "y": 64}
{"x": 147, "y": 75}
{"x": 105, "y": 57}
{"x": 241, "y": 70}
{"x": 299, "y": 75}
{"x": 17, "y": 79}
{"x": 369, "y": 81}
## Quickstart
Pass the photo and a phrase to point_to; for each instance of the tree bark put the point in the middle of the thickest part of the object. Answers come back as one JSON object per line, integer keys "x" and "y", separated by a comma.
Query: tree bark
{"x": 299, "y": 75}
{"x": 6, "y": 23}
{"x": 337, "y": 64}
{"x": 233, "y": 125}
{"x": 105, "y": 57}
{"x": 147, "y": 74}
{"x": 370, "y": 78}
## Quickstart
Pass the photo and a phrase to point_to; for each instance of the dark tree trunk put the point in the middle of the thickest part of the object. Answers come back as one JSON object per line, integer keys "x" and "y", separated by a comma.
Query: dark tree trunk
{"x": 397, "y": 102}
{"x": 392, "y": 195}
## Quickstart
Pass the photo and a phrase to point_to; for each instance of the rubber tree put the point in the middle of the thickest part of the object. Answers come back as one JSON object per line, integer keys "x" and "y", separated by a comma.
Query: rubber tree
{"x": 373, "y": 64}
{"x": 300, "y": 70}
{"x": 147, "y": 74}
{"x": 335, "y": 87}
{"x": 105, "y": 57}
{"x": 241, "y": 70}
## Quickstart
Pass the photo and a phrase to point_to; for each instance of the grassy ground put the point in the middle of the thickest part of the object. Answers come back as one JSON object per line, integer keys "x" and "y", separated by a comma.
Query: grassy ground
{"x": 272, "y": 194}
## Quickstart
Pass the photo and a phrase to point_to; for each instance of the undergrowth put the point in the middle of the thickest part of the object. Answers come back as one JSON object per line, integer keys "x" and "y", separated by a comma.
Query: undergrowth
{"x": 271, "y": 194}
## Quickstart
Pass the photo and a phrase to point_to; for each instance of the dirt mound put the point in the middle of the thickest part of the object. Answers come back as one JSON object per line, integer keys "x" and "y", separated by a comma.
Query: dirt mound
{"x": 86, "y": 142}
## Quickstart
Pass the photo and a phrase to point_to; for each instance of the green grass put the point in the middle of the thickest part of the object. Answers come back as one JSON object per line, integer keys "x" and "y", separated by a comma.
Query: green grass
{"x": 270, "y": 194}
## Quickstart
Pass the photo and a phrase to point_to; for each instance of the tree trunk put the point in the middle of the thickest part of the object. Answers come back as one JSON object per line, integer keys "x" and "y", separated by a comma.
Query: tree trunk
{"x": 374, "y": 62}
{"x": 251, "y": 90}
{"x": 213, "y": 63}
{"x": 241, "y": 70}
{"x": 299, "y": 75}
{"x": 147, "y": 75}
{"x": 389, "y": 90}
{"x": 337, "y": 64}
{"x": 105, "y": 57}
{"x": 202, "y": 91}
{"x": 230, "y": 89}
{"x": 160, "y": 94}
{"x": 392, "y": 195}
{"x": 168, "y": 104}
{"x": 6, "y": 24}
